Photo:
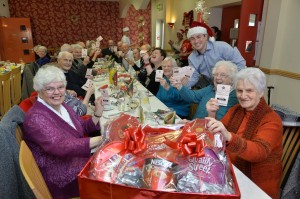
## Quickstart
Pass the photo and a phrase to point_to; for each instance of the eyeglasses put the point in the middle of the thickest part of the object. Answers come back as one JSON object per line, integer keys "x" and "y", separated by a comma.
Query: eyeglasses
{"x": 222, "y": 75}
{"x": 51, "y": 90}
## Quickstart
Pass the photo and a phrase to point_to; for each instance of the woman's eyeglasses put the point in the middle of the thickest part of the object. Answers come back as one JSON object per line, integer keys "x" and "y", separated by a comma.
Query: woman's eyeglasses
{"x": 221, "y": 75}
{"x": 51, "y": 90}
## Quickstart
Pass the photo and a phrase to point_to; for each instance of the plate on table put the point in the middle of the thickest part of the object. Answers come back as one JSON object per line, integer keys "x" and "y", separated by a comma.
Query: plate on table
{"x": 111, "y": 114}
{"x": 108, "y": 108}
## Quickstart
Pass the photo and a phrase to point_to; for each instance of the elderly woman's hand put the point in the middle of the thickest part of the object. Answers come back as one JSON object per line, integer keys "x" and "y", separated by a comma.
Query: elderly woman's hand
{"x": 98, "y": 107}
{"x": 212, "y": 106}
{"x": 164, "y": 83}
{"x": 184, "y": 80}
{"x": 95, "y": 141}
{"x": 91, "y": 90}
{"x": 175, "y": 83}
{"x": 216, "y": 126}
{"x": 86, "y": 60}
{"x": 130, "y": 61}
{"x": 96, "y": 54}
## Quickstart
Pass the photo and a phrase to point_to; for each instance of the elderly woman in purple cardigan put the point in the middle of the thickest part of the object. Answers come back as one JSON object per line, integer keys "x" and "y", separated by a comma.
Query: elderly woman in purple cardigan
{"x": 55, "y": 133}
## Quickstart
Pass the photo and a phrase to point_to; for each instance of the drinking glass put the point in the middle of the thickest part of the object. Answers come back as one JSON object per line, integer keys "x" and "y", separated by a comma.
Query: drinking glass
{"x": 145, "y": 100}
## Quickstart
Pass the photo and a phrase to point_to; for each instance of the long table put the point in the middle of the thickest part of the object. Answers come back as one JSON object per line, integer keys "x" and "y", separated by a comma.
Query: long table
{"x": 248, "y": 189}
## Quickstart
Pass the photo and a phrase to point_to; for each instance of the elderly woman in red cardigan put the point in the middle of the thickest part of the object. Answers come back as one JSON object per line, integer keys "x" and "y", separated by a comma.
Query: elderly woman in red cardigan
{"x": 253, "y": 132}
{"x": 55, "y": 133}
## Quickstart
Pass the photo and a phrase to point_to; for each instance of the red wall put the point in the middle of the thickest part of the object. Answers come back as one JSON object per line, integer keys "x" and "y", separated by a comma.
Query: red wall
{"x": 228, "y": 17}
{"x": 66, "y": 21}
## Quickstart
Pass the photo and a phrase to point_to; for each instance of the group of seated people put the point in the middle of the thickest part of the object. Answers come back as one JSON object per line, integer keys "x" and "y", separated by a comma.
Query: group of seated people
{"x": 58, "y": 137}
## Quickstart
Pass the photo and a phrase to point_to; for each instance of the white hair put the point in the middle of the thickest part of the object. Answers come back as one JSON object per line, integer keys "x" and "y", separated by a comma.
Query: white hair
{"x": 253, "y": 76}
{"x": 232, "y": 68}
{"x": 170, "y": 59}
{"x": 76, "y": 46}
{"x": 65, "y": 47}
{"x": 46, "y": 75}
{"x": 64, "y": 54}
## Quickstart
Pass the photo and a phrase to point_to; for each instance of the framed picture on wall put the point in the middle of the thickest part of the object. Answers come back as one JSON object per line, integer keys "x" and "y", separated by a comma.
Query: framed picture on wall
{"x": 188, "y": 18}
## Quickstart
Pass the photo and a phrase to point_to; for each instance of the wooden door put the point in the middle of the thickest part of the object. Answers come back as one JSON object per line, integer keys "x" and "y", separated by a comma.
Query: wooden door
{"x": 16, "y": 40}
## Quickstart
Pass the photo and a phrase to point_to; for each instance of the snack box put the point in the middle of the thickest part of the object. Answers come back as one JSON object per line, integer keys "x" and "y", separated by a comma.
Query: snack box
{"x": 93, "y": 189}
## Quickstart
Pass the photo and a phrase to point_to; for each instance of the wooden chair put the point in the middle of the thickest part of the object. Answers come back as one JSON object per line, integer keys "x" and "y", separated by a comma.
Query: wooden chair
{"x": 5, "y": 93}
{"x": 16, "y": 85}
{"x": 291, "y": 147}
{"x": 32, "y": 173}
{"x": 19, "y": 135}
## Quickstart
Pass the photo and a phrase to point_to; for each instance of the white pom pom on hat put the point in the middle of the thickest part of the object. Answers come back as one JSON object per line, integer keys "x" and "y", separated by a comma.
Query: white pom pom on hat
{"x": 200, "y": 28}
{"x": 125, "y": 29}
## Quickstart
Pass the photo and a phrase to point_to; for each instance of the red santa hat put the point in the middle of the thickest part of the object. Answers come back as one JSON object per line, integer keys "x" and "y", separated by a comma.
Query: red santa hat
{"x": 180, "y": 31}
{"x": 200, "y": 28}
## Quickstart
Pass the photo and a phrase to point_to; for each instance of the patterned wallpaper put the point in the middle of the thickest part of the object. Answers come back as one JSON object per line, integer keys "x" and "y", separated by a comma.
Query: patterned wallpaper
{"x": 139, "y": 22}
{"x": 55, "y": 22}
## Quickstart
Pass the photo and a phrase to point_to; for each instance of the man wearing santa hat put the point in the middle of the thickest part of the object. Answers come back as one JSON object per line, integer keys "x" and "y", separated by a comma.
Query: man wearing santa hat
{"x": 125, "y": 38}
{"x": 208, "y": 52}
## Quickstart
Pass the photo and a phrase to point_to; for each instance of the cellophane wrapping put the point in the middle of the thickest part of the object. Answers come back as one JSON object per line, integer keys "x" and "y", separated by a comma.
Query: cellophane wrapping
{"x": 165, "y": 158}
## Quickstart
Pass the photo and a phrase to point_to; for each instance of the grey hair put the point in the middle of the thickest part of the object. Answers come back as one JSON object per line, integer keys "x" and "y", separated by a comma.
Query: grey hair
{"x": 64, "y": 54}
{"x": 46, "y": 75}
{"x": 253, "y": 76}
{"x": 76, "y": 46}
{"x": 172, "y": 60}
{"x": 43, "y": 48}
{"x": 65, "y": 47}
{"x": 232, "y": 68}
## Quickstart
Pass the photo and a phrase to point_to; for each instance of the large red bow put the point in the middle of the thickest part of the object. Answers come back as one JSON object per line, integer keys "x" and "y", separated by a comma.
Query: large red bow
{"x": 134, "y": 140}
{"x": 189, "y": 145}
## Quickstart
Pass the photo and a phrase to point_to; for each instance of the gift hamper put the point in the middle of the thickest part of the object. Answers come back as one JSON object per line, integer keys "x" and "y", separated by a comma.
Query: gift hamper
{"x": 142, "y": 161}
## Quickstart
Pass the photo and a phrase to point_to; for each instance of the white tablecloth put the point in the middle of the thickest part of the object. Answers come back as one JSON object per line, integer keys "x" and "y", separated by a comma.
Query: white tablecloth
{"x": 248, "y": 189}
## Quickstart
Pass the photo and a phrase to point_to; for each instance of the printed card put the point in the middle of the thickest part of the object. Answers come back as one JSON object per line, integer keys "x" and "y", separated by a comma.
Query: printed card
{"x": 158, "y": 75}
{"x": 188, "y": 71}
{"x": 105, "y": 97}
{"x": 99, "y": 38}
{"x": 87, "y": 84}
{"x": 177, "y": 74}
{"x": 89, "y": 73}
{"x": 84, "y": 52}
{"x": 222, "y": 94}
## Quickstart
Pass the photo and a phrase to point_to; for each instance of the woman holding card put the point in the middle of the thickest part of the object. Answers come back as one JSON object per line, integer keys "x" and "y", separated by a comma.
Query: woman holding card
{"x": 253, "y": 132}
{"x": 151, "y": 64}
{"x": 55, "y": 133}
{"x": 223, "y": 73}
{"x": 168, "y": 94}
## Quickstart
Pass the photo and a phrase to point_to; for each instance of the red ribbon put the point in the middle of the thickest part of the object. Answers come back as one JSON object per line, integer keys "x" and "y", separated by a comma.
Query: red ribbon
{"x": 134, "y": 140}
{"x": 189, "y": 145}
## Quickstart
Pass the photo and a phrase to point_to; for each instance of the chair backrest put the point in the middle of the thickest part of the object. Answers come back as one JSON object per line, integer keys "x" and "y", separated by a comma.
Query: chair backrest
{"x": 291, "y": 147}
{"x": 32, "y": 173}
{"x": 5, "y": 98}
{"x": 28, "y": 74}
{"x": 16, "y": 85}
